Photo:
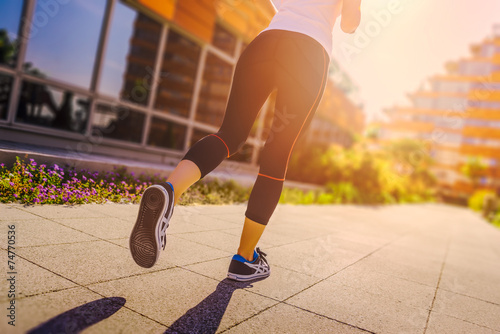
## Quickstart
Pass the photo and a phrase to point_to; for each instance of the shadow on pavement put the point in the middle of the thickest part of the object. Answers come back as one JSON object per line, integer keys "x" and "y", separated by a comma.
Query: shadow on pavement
{"x": 81, "y": 317}
{"x": 206, "y": 316}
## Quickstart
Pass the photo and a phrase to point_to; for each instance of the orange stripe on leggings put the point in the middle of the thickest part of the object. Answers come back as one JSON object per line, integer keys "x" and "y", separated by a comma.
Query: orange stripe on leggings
{"x": 270, "y": 177}
{"x": 310, "y": 110}
{"x": 223, "y": 142}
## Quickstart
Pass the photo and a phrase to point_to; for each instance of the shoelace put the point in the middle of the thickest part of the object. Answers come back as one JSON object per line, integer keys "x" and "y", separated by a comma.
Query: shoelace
{"x": 262, "y": 254}
{"x": 163, "y": 235}
{"x": 163, "y": 232}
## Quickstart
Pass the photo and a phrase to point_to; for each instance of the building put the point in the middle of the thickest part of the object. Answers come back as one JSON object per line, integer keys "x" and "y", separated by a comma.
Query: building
{"x": 458, "y": 116}
{"x": 136, "y": 78}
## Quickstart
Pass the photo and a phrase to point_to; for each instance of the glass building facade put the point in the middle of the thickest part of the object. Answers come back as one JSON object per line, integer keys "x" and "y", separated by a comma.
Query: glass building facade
{"x": 112, "y": 74}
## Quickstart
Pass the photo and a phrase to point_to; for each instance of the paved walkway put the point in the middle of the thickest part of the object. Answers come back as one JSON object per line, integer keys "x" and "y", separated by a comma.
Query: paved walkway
{"x": 335, "y": 269}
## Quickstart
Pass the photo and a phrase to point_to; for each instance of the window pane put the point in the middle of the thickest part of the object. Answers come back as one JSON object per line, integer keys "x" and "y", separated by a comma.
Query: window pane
{"x": 115, "y": 56}
{"x": 244, "y": 155}
{"x": 5, "y": 87}
{"x": 214, "y": 90}
{"x": 178, "y": 73}
{"x": 166, "y": 134}
{"x": 63, "y": 40}
{"x": 224, "y": 40}
{"x": 117, "y": 123}
{"x": 140, "y": 57}
{"x": 10, "y": 16}
{"x": 51, "y": 107}
{"x": 197, "y": 135}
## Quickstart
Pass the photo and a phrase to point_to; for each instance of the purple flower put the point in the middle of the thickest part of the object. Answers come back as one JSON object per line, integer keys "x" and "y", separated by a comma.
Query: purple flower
{"x": 2, "y": 165}
{"x": 15, "y": 195}
{"x": 84, "y": 178}
{"x": 11, "y": 184}
{"x": 43, "y": 166}
{"x": 44, "y": 179}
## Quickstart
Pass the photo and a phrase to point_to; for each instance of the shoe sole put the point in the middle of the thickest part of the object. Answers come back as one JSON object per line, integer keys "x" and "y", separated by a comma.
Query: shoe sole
{"x": 247, "y": 278}
{"x": 144, "y": 241}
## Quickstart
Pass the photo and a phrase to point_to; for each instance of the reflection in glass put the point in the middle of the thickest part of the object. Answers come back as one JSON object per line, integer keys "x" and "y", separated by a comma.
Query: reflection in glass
{"x": 117, "y": 123}
{"x": 214, "y": 90}
{"x": 5, "y": 87}
{"x": 141, "y": 58}
{"x": 224, "y": 40}
{"x": 63, "y": 39}
{"x": 117, "y": 48}
{"x": 50, "y": 107}
{"x": 178, "y": 73}
{"x": 197, "y": 135}
{"x": 244, "y": 155}
{"x": 10, "y": 17}
{"x": 166, "y": 134}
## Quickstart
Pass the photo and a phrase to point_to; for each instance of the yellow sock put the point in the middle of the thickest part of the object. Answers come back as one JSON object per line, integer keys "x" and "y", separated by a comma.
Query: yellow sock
{"x": 184, "y": 175}
{"x": 250, "y": 236}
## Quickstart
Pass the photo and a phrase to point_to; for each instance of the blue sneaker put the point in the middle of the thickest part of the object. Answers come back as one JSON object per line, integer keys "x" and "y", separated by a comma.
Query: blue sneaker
{"x": 241, "y": 269}
{"x": 149, "y": 235}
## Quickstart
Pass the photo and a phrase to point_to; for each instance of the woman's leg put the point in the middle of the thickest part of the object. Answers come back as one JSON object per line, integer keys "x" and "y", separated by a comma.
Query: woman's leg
{"x": 301, "y": 78}
{"x": 253, "y": 81}
{"x": 184, "y": 175}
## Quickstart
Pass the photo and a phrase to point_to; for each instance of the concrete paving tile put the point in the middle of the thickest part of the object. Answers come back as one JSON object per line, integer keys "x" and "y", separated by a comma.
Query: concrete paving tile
{"x": 211, "y": 221}
{"x": 126, "y": 321}
{"x": 410, "y": 293}
{"x": 13, "y": 213}
{"x": 32, "y": 279}
{"x": 103, "y": 228}
{"x": 319, "y": 257}
{"x": 37, "y": 310}
{"x": 62, "y": 211}
{"x": 89, "y": 262}
{"x": 117, "y": 210}
{"x": 282, "y": 283}
{"x": 469, "y": 309}
{"x": 443, "y": 324}
{"x": 215, "y": 239}
{"x": 356, "y": 307}
{"x": 39, "y": 232}
{"x": 238, "y": 209}
{"x": 412, "y": 266}
{"x": 284, "y": 318}
{"x": 185, "y": 300}
{"x": 473, "y": 277}
{"x": 181, "y": 252}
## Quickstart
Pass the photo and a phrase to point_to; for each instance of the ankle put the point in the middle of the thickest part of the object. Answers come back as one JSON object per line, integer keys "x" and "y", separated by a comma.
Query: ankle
{"x": 247, "y": 255}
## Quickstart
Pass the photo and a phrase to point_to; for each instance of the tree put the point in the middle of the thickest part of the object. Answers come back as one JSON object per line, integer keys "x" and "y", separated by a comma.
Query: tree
{"x": 474, "y": 169}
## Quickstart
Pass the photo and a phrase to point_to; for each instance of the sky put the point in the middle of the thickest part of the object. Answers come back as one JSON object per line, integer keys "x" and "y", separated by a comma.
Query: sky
{"x": 390, "y": 56}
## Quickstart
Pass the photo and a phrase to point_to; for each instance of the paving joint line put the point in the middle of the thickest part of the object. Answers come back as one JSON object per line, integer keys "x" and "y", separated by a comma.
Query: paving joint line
{"x": 349, "y": 265}
{"x": 84, "y": 287}
{"x": 437, "y": 285}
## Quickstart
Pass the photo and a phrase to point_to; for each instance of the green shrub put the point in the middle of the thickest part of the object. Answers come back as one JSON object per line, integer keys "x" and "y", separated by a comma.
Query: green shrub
{"x": 476, "y": 201}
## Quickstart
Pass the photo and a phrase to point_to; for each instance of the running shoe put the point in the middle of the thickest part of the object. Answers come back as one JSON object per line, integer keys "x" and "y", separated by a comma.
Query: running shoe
{"x": 241, "y": 269}
{"x": 149, "y": 235}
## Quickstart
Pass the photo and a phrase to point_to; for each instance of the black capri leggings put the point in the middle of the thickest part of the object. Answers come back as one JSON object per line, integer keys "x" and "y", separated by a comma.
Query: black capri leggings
{"x": 294, "y": 64}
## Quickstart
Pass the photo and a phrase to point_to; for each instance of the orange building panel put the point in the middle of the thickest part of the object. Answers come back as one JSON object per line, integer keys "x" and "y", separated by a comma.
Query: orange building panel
{"x": 483, "y": 151}
{"x": 484, "y": 95}
{"x": 197, "y": 17}
{"x": 164, "y": 8}
{"x": 411, "y": 126}
{"x": 485, "y": 114}
{"x": 481, "y": 132}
